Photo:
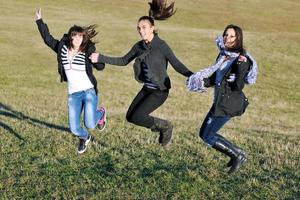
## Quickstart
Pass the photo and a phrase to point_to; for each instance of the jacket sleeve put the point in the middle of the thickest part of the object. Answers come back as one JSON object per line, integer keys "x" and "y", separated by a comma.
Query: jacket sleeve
{"x": 99, "y": 66}
{"x": 242, "y": 69}
{"x": 120, "y": 61}
{"x": 210, "y": 81}
{"x": 47, "y": 37}
{"x": 176, "y": 64}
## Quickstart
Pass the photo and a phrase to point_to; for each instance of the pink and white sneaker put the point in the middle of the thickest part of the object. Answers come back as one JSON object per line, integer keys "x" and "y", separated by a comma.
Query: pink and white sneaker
{"x": 102, "y": 121}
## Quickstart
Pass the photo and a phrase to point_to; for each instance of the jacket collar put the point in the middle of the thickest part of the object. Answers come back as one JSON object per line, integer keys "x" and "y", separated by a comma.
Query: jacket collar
{"x": 64, "y": 38}
{"x": 151, "y": 44}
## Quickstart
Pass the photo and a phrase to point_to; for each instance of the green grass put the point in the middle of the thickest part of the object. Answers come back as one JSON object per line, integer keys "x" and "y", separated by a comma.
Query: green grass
{"x": 38, "y": 154}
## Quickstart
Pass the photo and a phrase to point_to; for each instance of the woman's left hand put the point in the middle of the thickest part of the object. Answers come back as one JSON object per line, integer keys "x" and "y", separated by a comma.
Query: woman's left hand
{"x": 231, "y": 78}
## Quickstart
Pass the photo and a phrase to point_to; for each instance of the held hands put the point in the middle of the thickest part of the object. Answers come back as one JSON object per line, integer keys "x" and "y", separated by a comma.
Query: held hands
{"x": 94, "y": 57}
{"x": 195, "y": 83}
{"x": 38, "y": 14}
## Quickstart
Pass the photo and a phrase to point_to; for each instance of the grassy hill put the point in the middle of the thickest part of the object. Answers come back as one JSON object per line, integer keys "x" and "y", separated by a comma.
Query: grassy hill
{"x": 38, "y": 153}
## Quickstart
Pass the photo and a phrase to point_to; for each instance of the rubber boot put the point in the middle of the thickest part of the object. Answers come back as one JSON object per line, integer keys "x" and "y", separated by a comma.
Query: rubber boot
{"x": 240, "y": 151}
{"x": 228, "y": 149}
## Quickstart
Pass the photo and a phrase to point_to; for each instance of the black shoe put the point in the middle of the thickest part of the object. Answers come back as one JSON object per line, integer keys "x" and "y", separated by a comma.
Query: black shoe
{"x": 83, "y": 144}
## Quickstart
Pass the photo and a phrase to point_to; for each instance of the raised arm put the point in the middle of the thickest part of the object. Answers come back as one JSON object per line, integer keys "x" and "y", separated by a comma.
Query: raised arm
{"x": 177, "y": 65}
{"x": 44, "y": 31}
{"x": 120, "y": 61}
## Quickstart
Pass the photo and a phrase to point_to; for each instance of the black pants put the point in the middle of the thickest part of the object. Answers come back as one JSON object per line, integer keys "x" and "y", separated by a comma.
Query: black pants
{"x": 145, "y": 102}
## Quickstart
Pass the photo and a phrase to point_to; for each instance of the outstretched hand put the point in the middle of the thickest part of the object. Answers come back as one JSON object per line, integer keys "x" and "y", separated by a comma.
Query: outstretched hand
{"x": 38, "y": 14}
{"x": 94, "y": 57}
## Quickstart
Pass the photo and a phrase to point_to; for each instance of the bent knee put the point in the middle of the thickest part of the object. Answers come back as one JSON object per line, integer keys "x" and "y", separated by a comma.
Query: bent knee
{"x": 90, "y": 126}
{"x": 205, "y": 137}
{"x": 129, "y": 118}
{"x": 201, "y": 135}
{"x": 132, "y": 118}
{"x": 75, "y": 130}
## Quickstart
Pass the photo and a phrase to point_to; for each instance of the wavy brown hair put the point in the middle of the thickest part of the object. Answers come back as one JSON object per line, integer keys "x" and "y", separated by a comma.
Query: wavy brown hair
{"x": 88, "y": 32}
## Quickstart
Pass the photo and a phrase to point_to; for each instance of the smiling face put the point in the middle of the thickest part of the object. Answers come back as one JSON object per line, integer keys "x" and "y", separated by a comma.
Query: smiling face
{"x": 77, "y": 40}
{"x": 229, "y": 38}
{"x": 146, "y": 30}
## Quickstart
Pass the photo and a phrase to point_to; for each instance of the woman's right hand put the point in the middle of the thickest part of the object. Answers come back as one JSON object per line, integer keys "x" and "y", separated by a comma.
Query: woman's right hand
{"x": 38, "y": 14}
{"x": 94, "y": 57}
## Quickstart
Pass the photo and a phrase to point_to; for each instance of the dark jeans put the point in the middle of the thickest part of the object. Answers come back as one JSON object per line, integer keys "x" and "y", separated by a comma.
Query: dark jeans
{"x": 145, "y": 102}
{"x": 210, "y": 126}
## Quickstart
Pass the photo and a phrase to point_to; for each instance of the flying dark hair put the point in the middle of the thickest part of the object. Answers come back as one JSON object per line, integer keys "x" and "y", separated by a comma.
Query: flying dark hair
{"x": 159, "y": 11}
{"x": 87, "y": 32}
{"x": 238, "y": 46}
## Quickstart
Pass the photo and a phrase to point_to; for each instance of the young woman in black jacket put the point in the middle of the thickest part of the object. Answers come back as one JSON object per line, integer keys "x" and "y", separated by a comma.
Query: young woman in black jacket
{"x": 151, "y": 56}
{"x": 74, "y": 67}
{"x": 229, "y": 100}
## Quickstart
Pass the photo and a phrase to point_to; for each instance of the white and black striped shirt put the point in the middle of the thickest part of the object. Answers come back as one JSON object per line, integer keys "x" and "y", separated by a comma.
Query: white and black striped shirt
{"x": 74, "y": 67}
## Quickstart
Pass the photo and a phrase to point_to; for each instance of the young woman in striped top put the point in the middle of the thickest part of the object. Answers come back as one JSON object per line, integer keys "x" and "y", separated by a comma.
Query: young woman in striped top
{"x": 75, "y": 68}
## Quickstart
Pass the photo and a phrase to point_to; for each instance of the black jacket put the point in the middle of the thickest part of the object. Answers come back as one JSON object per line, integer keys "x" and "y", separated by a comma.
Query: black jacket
{"x": 156, "y": 55}
{"x": 230, "y": 99}
{"x": 56, "y": 46}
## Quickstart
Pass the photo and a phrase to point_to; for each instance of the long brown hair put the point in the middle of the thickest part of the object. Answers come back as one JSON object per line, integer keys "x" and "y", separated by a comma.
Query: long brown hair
{"x": 238, "y": 44}
{"x": 159, "y": 11}
{"x": 88, "y": 32}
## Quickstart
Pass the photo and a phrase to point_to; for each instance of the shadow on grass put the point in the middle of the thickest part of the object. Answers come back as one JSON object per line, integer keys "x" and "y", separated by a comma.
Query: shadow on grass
{"x": 7, "y": 111}
{"x": 8, "y": 128}
{"x": 108, "y": 165}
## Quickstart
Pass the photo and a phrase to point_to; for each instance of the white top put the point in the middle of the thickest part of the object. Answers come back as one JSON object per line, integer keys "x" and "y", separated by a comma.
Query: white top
{"x": 74, "y": 67}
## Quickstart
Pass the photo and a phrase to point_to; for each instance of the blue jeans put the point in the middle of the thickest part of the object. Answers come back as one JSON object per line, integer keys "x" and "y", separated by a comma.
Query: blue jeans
{"x": 210, "y": 126}
{"x": 86, "y": 100}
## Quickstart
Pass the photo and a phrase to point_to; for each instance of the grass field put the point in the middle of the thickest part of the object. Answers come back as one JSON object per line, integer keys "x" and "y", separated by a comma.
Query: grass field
{"x": 38, "y": 153}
